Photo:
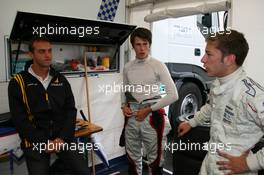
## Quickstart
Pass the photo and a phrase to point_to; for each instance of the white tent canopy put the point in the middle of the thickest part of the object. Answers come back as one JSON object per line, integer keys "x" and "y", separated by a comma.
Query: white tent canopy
{"x": 174, "y": 9}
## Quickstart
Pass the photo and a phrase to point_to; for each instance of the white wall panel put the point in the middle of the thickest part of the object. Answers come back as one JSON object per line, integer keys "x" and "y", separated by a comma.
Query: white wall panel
{"x": 247, "y": 17}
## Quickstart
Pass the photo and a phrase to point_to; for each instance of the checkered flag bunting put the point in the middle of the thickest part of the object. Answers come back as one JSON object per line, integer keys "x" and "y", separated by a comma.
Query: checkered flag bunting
{"x": 108, "y": 10}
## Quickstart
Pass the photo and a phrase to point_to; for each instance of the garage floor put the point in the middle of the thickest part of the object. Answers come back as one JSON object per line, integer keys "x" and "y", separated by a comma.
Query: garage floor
{"x": 167, "y": 169}
{"x": 19, "y": 168}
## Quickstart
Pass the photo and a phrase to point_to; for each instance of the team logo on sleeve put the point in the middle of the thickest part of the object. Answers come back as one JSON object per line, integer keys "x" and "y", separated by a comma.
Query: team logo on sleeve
{"x": 250, "y": 91}
{"x": 250, "y": 84}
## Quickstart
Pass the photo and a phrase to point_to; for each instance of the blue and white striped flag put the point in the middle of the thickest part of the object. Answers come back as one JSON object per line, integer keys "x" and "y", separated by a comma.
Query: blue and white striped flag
{"x": 107, "y": 10}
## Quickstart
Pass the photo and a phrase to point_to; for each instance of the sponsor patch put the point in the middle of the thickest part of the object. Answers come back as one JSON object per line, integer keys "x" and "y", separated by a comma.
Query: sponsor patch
{"x": 32, "y": 84}
{"x": 250, "y": 91}
{"x": 261, "y": 106}
{"x": 56, "y": 83}
{"x": 228, "y": 115}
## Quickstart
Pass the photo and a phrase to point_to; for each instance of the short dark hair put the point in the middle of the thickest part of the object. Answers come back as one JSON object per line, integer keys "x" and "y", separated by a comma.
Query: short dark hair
{"x": 36, "y": 39}
{"x": 141, "y": 33}
{"x": 231, "y": 42}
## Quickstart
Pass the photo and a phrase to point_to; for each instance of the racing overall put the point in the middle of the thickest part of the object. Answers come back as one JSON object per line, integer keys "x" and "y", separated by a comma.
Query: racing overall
{"x": 236, "y": 113}
{"x": 149, "y": 133}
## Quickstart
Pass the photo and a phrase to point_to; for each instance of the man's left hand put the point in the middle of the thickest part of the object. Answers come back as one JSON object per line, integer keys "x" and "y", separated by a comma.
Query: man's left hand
{"x": 234, "y": 164}
{"x": 143, "y": 113}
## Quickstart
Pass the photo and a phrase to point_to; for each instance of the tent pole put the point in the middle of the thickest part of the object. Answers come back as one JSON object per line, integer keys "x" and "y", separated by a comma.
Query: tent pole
{"x": 88, "y": 104}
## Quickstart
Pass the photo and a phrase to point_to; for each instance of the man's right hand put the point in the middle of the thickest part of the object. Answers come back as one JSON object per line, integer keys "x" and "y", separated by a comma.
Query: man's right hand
{"x": 183, "y": 128}
{"x": 127, "y": 111}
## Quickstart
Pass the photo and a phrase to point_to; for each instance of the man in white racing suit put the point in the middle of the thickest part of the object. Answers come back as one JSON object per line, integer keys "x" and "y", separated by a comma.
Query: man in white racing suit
{"x": 146, "y": 122}
{"x": 235, "y": 109}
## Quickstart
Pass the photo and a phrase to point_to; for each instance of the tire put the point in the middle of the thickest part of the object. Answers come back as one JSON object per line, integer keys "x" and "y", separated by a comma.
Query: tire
{"x": 190, "y": 101}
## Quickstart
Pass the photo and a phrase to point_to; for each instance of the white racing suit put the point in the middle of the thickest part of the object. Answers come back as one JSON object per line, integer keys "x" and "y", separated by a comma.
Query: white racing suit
{"x": 150, "y": 133}
{"x": 236, "y": 113}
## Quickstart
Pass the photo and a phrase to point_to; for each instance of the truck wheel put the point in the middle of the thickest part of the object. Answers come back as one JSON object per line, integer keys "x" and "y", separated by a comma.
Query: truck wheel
{"x": 190, "y": 101}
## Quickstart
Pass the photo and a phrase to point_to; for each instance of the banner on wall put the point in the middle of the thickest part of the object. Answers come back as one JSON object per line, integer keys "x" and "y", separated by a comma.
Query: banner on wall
{"x": 107, "y": 10}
